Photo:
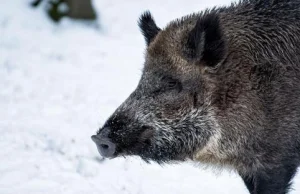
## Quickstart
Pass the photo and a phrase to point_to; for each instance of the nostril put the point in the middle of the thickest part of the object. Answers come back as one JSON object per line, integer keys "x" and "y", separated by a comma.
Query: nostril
{"x": 104, "y": 146}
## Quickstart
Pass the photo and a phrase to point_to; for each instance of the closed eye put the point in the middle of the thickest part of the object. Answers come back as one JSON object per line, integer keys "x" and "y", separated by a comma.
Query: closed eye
{"x": 168, "y": 84}
{"x": 171, "y": 84}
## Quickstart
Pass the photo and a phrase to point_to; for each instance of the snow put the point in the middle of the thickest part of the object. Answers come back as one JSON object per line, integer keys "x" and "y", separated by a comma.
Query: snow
{"x": 58, "y": 84}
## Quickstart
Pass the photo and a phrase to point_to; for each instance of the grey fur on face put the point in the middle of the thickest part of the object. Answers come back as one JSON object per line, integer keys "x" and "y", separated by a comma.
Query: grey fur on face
{"x": 220, "y": 87}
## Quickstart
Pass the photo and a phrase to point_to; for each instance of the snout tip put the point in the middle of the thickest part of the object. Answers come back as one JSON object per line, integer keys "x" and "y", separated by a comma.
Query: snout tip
{"x": 94, "y": 138}
{"x": 105, "y": 146}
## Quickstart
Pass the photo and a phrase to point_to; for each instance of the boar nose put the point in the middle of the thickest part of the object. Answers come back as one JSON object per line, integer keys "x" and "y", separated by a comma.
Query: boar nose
{"x": 104, "y": 144}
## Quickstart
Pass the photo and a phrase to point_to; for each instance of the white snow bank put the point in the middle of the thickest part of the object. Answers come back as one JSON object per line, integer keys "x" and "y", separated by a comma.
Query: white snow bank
{"x": 58, "y": 85}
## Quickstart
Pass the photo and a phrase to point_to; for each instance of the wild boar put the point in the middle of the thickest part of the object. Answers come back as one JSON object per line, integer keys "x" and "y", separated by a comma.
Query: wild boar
{"x": 220, "y": 87}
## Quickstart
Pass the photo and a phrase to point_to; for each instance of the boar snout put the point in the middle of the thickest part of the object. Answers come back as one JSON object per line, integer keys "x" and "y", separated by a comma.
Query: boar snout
{"x": 104, "y": 144}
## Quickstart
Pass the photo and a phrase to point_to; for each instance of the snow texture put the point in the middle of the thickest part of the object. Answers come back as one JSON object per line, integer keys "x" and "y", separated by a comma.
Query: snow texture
{"x": 58, "y": 84}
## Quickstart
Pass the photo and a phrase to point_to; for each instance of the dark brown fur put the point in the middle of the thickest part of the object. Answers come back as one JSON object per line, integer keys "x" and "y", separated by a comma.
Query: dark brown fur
{"x": 221, "y": 87}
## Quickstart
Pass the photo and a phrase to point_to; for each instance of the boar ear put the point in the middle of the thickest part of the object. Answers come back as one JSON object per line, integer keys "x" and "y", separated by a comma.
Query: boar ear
{"x": 148, "y": 27}
{"x": 205, "y": 41}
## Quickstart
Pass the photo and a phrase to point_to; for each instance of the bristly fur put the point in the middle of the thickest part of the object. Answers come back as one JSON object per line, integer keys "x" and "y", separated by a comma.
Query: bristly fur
{"x": 148, "y": 27}
{"x": 220, "y": 87}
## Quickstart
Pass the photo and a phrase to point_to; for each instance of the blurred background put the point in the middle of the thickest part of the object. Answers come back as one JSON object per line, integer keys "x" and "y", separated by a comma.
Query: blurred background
{"x": 65, "y": 65}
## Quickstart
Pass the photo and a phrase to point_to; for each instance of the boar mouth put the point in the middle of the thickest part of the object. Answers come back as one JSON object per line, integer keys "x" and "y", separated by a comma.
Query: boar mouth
{"x": 138, "y": 145}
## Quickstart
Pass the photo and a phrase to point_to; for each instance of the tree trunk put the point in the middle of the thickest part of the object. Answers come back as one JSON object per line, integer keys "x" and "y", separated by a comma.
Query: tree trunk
{"x": 81, "y": 9}
{"x": 77, "y": 9}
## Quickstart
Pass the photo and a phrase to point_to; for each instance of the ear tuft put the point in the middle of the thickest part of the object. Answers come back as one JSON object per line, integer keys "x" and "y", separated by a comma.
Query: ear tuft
{"x": 148, "y": 27}
{"x": 205, "y": 41}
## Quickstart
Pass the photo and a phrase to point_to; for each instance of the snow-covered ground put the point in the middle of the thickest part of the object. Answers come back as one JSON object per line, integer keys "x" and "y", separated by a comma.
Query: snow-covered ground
{"x": 58, "y": 84}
